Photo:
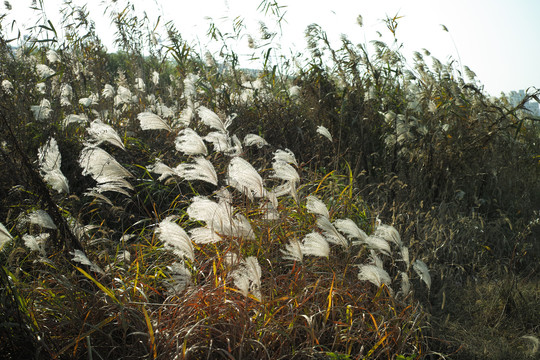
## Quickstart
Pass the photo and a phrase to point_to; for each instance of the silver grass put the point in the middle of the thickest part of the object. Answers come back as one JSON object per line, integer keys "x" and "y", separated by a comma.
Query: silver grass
{"x": 49, "y": 159}
{"x": 101, "y": 132}
{"x": 66, "y": 91}
{"x": 235, "y": 149}
{"x": 282, "y": 190}
{"x": 36, "y": 242}
{"x": 80, "y": 257}
{"x": 52, "y": 56}
{"x": 331, "y": 233}
{"x": 104, "y": 169}
{"x": 140, "y": 85}
{"x": 150, "y": 121}
{"x": 186, "y": 115}
{"x": 42, "y": 111}
{"x": 174, "y": 237}
{"x": 405, "y": 256}
{"x": 375, "y": 259}
{"x": 41, "y": 88}
{"x": 247, "y": 277}
{"x": 123, "y": 256}
{"x": 85, "y": 102}
{"x": 242, "y": 176}
{"x": 180, "y": 277}
{"x": 190, "y": 89}
{"x": 374, "y": 275}
{"x": 93, "y": 192}
{"x": 44, "y": 71}
{"x": 123, "y": 96}
{"x": 255, "y": 140}
{"x": 5, "y": 236}
{"x": 285, "y": 155}
{"x": 324, "y": 132}
{"x": 293, "y": 251}
{"x": 405, "y": 284}
{"x": 284, "y": 171}
{"x": 376, "y": 243}
{"x": 316, "y": 245}
{"x": 350, "y": 229}
{"x": 204, "y": 235}
{"x": 316, "y": 206}
{"x": 422, "y": 270}
{"x": 41, "y": 218}
{"x": 74, "y": 118}
{"x": 161, "y": 169}
{"x": 211, "y": 119}
{"x": 190, "y": 143}
{"x": 389, "y": 233}
{"x": 219, "y": 140}
{"x": 164, "y": 111}
{"x": 155, "y": 78}
{"x": 7, "y": 86}
{"x": 108, "y": 91}
{"x": 269, "y": 212}
{"x": 201, "y": 169}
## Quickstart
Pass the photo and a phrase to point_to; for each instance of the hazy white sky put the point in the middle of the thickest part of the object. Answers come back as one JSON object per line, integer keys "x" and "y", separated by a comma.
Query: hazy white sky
{"x": 498, "y": 39}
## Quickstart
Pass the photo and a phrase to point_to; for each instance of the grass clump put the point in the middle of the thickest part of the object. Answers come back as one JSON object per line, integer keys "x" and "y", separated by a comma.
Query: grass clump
{"x": 162, "y": 206}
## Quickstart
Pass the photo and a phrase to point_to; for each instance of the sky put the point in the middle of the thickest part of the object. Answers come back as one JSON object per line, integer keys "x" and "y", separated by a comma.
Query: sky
{"x": 498, "y": 39}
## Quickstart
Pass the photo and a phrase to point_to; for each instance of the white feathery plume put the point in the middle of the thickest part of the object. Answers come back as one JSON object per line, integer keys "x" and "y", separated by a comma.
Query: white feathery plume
{"x": 224, "y": 195}
{"x": 243, "y": 177}
{"x": 236, "y": 148}
{"x": 374, "y": 275}
{"x": 103, "y": 168}
{"x": 281, "y": 190}
{"x": 422, "y": 270}
{"x": 190, "y": 89}
{"x": 284, "y": 171}
{"x": 285, "y": 155}
{"x": 74, "y": 118}
{"x": 41, "y": 218}
{"x": 80, "y": 257}
{"x": 123, "y": 96}
{"x": 36, "y": 242}
{"x": 293, "y": 251}
{"x": 247, "y": 277}
{"x": 389, "y": 233}
{"x": 190, "y": 143}
{"x": 101, "y": 132}
{"x": 316, "y": 206}
{"x": 187, "y": 114}
{"x": 140, "y": 85}
{"x": 350, "y": 229}
{"x": 255, "y": 140}
{"x": 155, "y": 77}
{"x": 49, "y": 159}
{"x": 405, "y": 256}
{"x": 211, "y": 119}
{"x": 85, "y": 102}
{"x": 375, "y": 259}
{"x": 42, "y": 111}
{"x": 315, "y": 244}
{"x": 376, "y": 243}
{"x": 5, "y": 236}
{"x": 173, "y": 236}
{"x": 331, "y": 233}
{"x": 150, "y": 121}
{"x": 219, "y": 140}
{"x": 405, "y": 284}
{"x": 41, "y": 88}
{"x": 164, "y": 111}
{"x": 204, "y": 235}
{"x": 202, "y": 169}
{"x": 7, "y": 86}
{"x": 108, "y": 91}
{"x": 161, "y": 169}
{"x": 324, "y": 132}
{"x": 52, "y": 56}
{"x": 180, "y": 277}
{"x": 44, "y": 71}
{"x": 66, "y": 91}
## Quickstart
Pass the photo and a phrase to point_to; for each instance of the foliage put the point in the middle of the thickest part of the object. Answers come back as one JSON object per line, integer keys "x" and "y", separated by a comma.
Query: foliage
{"x": 140, "y": 222}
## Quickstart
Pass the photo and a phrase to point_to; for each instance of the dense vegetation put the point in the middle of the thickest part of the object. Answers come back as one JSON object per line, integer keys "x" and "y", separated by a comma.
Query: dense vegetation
{"x": 162, "y": 203}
